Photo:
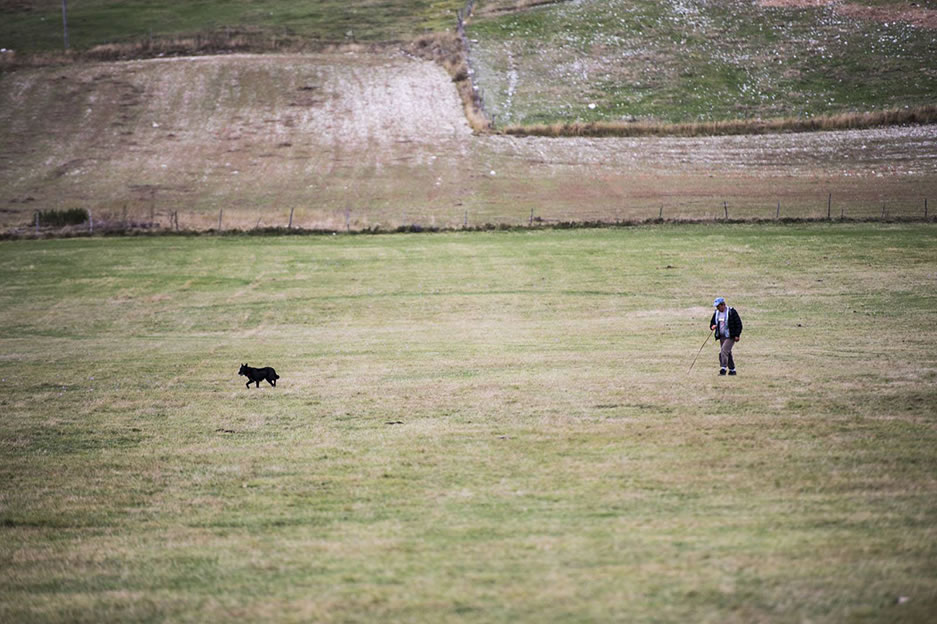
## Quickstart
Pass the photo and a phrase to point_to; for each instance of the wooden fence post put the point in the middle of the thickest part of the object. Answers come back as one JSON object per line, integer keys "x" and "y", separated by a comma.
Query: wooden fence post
{"x": 725, "y": 207}
{"x": 90, "y": 223}
{"x": 777, "y": 215}
{"x": 290, "y": 225}
{"x": 220, "y": 215}
{"x": 829, "y": 205}
{"x": 65, "y": 22}
{"x": 37, "y": 222}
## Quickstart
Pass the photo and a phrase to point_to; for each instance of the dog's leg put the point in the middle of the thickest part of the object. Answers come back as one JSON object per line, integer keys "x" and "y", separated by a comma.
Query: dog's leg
{"x": 272, "y": 382}
{"x": 248, "y": 384}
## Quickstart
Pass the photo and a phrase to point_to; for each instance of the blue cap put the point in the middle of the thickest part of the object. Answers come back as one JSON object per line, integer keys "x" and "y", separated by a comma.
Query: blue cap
{"x": 718, "y": 301}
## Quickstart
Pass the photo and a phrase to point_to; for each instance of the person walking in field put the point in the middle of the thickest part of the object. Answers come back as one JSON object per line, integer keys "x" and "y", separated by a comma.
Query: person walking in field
{"x": 727, "y": 324}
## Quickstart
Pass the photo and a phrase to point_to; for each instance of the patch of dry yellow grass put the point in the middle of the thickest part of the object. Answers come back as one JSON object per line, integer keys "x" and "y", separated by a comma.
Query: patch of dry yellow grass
{"x": 844, "y": 121}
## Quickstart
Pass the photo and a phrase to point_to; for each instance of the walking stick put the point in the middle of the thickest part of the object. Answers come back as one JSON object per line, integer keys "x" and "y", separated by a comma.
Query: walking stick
{"x": 700, "y": 351}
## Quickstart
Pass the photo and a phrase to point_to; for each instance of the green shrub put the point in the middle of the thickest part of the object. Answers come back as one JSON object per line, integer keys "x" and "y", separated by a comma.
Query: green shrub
{"x": 60, "y": 218}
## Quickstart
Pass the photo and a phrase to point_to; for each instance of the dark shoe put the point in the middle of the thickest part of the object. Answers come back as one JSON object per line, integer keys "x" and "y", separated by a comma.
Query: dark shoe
{"x": 722, "y": 371}
{"x": 732, "y": 372}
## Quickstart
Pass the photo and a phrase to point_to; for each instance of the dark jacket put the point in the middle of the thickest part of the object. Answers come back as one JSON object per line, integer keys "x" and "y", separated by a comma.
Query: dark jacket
{"x": 735, "y": 324}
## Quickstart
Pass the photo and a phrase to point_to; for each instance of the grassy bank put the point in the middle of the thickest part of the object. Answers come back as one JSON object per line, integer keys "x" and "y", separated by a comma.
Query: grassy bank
{"x": 470, "y": 427}
{"x": 36, "y": 26}
{"x": 611, "y": 61}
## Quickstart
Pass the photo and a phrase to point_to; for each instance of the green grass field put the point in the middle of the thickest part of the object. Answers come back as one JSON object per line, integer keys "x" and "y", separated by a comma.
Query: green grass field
{"x": 471, "y": 427}
{"x": 36, "y": 25}
{"x": 678, "y": 61}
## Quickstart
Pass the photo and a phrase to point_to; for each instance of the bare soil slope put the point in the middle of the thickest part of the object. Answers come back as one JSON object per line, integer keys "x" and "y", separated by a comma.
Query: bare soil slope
{"x": 246, "y": 133}
{"x": 361, "y": 140}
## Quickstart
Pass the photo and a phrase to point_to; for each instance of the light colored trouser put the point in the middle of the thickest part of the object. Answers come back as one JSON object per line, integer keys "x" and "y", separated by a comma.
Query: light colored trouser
{"x": 725, "y": 353}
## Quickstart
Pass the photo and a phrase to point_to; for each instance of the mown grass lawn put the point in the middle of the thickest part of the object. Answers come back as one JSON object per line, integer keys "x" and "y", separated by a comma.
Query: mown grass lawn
{"x": 471, "y": 427}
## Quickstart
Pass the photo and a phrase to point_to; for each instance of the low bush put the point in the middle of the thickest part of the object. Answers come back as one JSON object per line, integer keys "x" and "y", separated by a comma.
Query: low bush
{"x": 61, "y": 218}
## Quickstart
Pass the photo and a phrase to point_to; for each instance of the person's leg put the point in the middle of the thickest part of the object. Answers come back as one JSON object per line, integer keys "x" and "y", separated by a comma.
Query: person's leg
{"x": 727, "y": 347}
{"x": 723, "y": 357}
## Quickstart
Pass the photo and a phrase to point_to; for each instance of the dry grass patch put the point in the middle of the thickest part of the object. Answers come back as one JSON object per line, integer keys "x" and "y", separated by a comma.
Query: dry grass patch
{"x": 845, "y": 121}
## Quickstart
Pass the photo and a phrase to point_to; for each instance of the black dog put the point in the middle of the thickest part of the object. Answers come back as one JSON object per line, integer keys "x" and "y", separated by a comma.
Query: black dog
{"x": 256, "y": 375}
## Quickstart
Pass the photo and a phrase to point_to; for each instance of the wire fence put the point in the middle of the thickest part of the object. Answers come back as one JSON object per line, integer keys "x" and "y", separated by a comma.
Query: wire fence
{"x": 480, "y": 216}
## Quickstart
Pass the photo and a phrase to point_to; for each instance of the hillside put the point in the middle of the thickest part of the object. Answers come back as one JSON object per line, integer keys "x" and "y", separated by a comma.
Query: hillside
{"x": 558, "y": 61}
{"x": 357, "y": 136}
{"x": 264, "y": 134}
{"x": 362, "y": 140}
{"x": 687, "y": 60}
{"x": 35, "y": 26}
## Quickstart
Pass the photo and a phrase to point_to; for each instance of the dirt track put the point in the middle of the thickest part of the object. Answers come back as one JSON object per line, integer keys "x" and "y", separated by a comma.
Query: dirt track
{"x": 363, "y": 140}
{"x": 876, "y": 152}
